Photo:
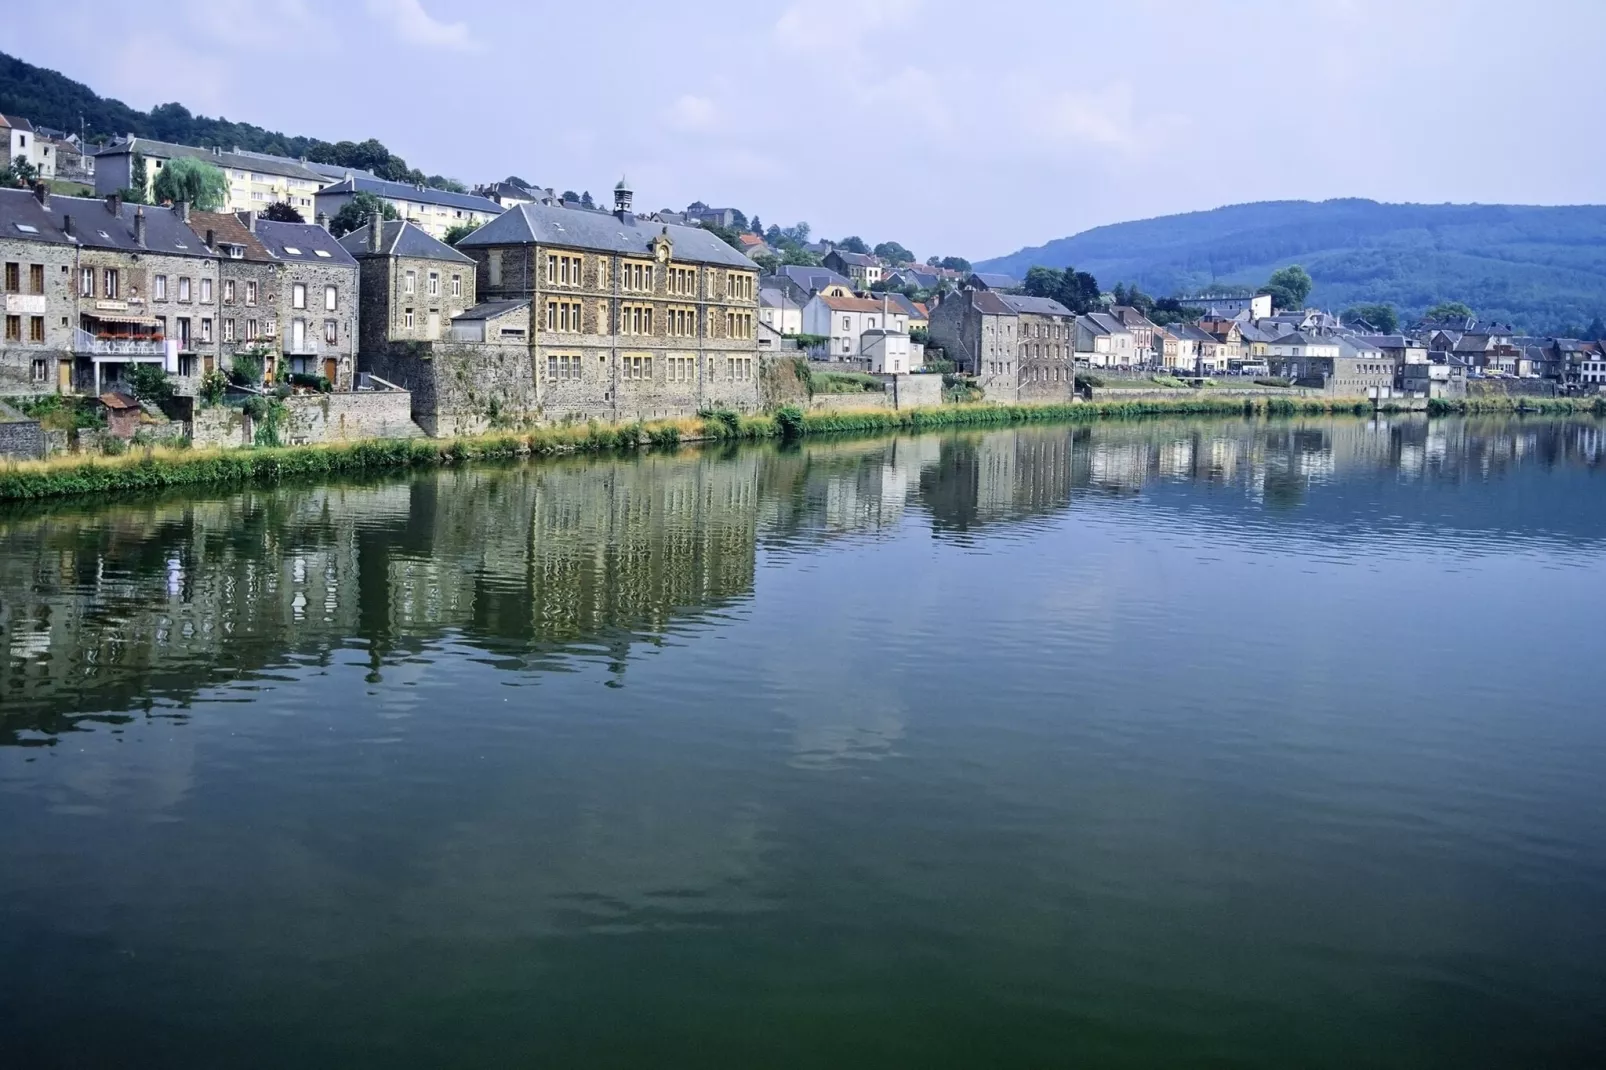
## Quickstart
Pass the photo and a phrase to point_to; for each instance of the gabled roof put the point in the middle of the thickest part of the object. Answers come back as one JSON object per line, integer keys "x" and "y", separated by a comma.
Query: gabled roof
{"x": 15, "y": 122}
{"x": 228, "y": 229}
{"x": 23, "y": 218}
{"x": 489, "y": 310}
{"x": 813, "y": 279}
{"x": 1300, "y": 338}
{"x": 856, "y": 259}
{"x": 1104, "y": 323}
{"x": 167, "y": 150}
{"x": 94, "y": 226}
{"x": 900, "y": 303}
{"x": 306, "y": 242}
{"x": 402, "y": 191}
{"x": 994, "y": 281}
{"x": 989, "y": 304}
{"x": 1188, "y": 332}
{"x": 542, "y": 224}
{"x": 1356, "y": 347}
{"x": 401, "y": 238}
{"x": 1036, "y": 306}
{"x": 857, "y": 304}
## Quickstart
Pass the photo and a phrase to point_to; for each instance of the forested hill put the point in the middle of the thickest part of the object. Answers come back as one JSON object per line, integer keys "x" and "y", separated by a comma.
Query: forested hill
{"x": 50, "y": 99}
{"x": 1541, "y": 268}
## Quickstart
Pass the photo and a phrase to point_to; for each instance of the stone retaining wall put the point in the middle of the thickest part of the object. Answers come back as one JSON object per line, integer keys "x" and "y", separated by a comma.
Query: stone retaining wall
{"x": 849, "y": 402}
{"x": 20, "y": 437}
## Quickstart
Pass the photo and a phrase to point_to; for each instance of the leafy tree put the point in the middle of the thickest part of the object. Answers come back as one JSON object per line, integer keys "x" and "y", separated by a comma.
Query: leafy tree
{"x": 21, "y": 172}
{"x": 897, "y": 254}
{"x": 796, "y": 254}
{"x": 757, "y": 227}
{"x": 729, "y": 235}
{"x": 282, "y": 212}
{"x": 196, "y": 181}
{"x": 1289, "y": 287}
{"x": 1138, "y": 299}
{"x": 139, "y": 178}
{"x": 586, "y": 201}
{"x": 450, "y": 185}
{"x": 739, "y": 220}
{"x": 1381, "y": 316}
{"x": 853, "y": 244}
{"x": 796, "y": 234}
{"x": 1448, "y": 310}
{"x": 356, "y": 212}
{"x": 1119, "y": 294}
{"x": 1596, "y": 330}
{"x": 952, "y": 263}
{"x": 1076, "y": 290}
{"x": 570, "y": 195}
{"x": 459, "y": 232}
{"x": 1168, "y": 310}
{"x": 149, "y": 382}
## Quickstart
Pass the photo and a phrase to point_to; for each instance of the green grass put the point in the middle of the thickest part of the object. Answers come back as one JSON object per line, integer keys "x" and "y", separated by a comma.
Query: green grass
{"x": 159, "y": 467}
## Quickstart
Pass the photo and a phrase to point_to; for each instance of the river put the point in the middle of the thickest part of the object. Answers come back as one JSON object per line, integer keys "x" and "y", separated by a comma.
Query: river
{"x": 1227, "y": 743}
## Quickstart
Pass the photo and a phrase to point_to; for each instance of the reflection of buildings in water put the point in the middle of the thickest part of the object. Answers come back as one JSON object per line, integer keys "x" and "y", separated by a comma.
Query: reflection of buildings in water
{"x": 1004, "y": 475}
{"x": 1119, "y": 465}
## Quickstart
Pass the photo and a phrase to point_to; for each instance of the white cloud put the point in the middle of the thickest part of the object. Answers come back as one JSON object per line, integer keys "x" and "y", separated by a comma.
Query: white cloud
{"x": 410, "y": 22}
{"x": 838, "y": 25}
{"x": 692, "y": 113}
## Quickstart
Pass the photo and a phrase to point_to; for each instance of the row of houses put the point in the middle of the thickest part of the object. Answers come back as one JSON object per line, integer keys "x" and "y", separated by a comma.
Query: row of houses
{"x": 48, "y": 153}
{"x": 544, "y": 312}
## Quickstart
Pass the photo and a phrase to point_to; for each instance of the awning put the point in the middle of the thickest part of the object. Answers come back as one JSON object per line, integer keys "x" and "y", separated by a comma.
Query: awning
{"x": 122, "y": 317}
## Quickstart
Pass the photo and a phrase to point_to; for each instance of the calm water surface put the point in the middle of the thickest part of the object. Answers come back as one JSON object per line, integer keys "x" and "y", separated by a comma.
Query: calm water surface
{"x": 1162, "y": 744}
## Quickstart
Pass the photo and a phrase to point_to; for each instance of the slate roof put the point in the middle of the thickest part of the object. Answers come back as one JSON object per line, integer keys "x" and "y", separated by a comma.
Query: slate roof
{"x": 228, "y": 229}
{"x": 989, "y": 304}
{"x": 902, "y": 304}
{"x": 1104, "y": 323}
{"x": 1357, "y": 347}
{"x": 1037, "y": 306}
{"x": 303, "y": 242}
{"x": 489, "y": 310}
{"x": 994, "y": 281}
{"x": 548, "y": 225}
{"x": 94, "y": 226}
{"x": 15, "y": 122}
{"x": 812, "y": 279}
{"x": 167, "y": 150}
{"x": 1300, "y": 338}
{"x": 401, "y": 238}
{"x": 770, "y": 297}
{"x": 1188, "y": 332}
{"x": 402, "y": 191}
{"x": 19, "y": 209}
{"x": 857, "y": 259}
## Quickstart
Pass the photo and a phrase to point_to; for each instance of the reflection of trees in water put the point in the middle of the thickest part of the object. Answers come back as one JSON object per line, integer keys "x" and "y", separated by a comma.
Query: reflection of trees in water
{"x": 103, "y": 607}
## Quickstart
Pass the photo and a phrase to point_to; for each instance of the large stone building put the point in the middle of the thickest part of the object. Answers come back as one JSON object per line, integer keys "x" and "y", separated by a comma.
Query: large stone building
{"x": 318, "y": 299}
{"x": 412, "y": 284}
{"x": 1045, "y": 353}
{"x": 977, "y": 329}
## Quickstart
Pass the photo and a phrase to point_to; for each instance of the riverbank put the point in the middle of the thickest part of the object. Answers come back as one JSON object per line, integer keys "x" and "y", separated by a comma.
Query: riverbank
{"x": 161, "y": 467}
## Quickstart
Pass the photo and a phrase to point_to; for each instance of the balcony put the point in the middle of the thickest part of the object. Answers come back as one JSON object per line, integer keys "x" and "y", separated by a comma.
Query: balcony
{"x": 307, "y": 347}
{"x": 93, "y": 345}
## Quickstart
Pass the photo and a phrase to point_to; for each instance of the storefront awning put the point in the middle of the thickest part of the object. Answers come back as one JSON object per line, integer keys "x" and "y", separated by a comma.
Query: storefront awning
{"x": 122, "y": 317}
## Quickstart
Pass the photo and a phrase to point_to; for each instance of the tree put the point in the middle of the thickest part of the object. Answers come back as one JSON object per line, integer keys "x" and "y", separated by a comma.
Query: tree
{"x": 1044, "y": 281}
{"x": 796, "y": 234}
{"x": 570, "y": 195}
{"x": 853, "y": 244}
{"x": 586, "y": 201}
{"x": 897, "y": 254}
{"x": 738, "y": 220}
{"x": 139, "y": 178}
{"x": 952, "y": 263}
{"x": 149, "y": 382}
{"x": 1168, "y": 310}
{"x": 1448, "y": 310}
{"x": 21, "y": 172}
{"x": 1119, "y": 294}
{"x": 450, "y": 185}
{"x": 757, "y": 227}
{"x": 1596, "y": 330}
{"x": 195, "y": 181}
{"x": 1076, "y": 290}
{"x": 1138, "y": 299}
{"x": 1288, "y": 287}
{"x": 355, "y": 213}
{"x": 729, "y": 235}
{"x": 1381, "y": 316}
{"x": 459, "y": 232}
{"x": 282, "y": 212}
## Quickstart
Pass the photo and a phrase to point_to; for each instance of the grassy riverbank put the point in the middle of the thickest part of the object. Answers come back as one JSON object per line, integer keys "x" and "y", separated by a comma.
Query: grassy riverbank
{"x": 165, "y": 467}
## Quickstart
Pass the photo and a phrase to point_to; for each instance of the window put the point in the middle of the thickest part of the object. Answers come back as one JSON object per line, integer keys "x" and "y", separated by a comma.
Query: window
{"x": 270, "y": 327}
{"x": 184, "y": 289}
{"x": 86, "y": 282}
{"x": 183, "y": 324}
{"x": 410, "y": 282}
{"x": 434, "y": 284}
{"x": 739, "y": 324}
{"x": 681, "y": 369}
{"x": 36, "y": 328}
{"x": 228, "y": 330}
{"x": 250, "y": 291}
{"x": 740, "y": 369}
{"x": 493, "y": 267}
{"x": 40, "y": 369}
{"x": 563, "y": 316}
{"x": 637, "y": 276}
{"x": 330, "y": 298}
{"x": 331, "y": 331}
{"x": 13, "y": 328}
{"x": 228, "y": 291}
{"x": 602, "y": 273}
{"x": 738, "y": 286}
{"x": 683, "y": 280}
{"x": 637, "y": 367}
{"x": 206, "y": 329}
{"x": 13, "y": 278}
{"x": 563, "y": 366}
{"x": 159, "y": 288}
{"x": 251, "y": 331}
{"x": 298, "y": 295}
{"x": 206, "y": 291}
{"x": 407, "y": 319}
{"x": 36, "y": 278}
{"x": 563, "y": 270}
{"x": 635, "y": 319}
{"x": 682, "y": 322}
{"x": 112, "y": 280}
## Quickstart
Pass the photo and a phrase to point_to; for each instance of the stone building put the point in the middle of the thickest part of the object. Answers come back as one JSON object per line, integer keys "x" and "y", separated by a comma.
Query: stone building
{"x": 1045, "y": 349}
{"x": 627, "y": 319}
{"x": 140, "y": 287}
{"x": 411, "y": 284}
{"x": 318, "y": 299}
{"x": 977, "y": 329}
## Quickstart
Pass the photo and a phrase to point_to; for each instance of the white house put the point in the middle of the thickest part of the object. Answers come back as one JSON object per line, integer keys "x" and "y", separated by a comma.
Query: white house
{"x": 1104, "y": 341}
{"x": 1297, "y": 345}
{"x": 888, "y": 352}
{"x": 844, "y": 320}
{"x": 779, "y": 312}
{"x": 23, "y": 143}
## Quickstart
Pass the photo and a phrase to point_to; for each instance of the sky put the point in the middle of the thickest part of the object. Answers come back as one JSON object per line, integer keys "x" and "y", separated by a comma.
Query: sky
{"x": 955, "y": 128}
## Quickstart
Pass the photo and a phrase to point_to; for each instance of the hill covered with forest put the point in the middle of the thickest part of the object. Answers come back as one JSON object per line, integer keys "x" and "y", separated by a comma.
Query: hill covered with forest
{"x": 1540, "y": 268}
{"x": 47, "y": 98}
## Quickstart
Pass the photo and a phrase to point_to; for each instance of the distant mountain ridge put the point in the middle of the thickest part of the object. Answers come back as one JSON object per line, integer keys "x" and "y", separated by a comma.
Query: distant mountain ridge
{"x": 1538, "y": 267}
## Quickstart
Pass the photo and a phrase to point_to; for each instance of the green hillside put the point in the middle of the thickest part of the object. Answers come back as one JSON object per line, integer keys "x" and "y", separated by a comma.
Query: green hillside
{"x": 47, "y": 98}
{"x": 1541, "y": 268}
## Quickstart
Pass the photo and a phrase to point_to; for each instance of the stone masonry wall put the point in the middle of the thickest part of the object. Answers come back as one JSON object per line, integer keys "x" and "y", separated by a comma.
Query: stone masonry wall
{"x": 20, "y": 438}
{"x": 56, "y": 305}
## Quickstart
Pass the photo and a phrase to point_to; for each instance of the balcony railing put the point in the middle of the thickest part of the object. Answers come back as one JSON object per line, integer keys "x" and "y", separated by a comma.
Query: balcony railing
{"x": 307, "y": 348}
{"x": 93, "y": 345}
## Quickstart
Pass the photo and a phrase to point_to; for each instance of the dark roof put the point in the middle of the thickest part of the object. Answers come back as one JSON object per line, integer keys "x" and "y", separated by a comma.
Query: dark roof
{"x": 94, "y": 226}
{"x": 402, "y": 191}
{"x": 302, "y": 241}
{"x": 167, "y": 150}
{"x": 1188, "y": 331}
{"x": 15, "y": 122}
{"x": 904, "y": 305}
{"x": 855, "y": 259}
{"x": 489, "y": 310}
{"x": 989, "y": 304}
{"x": 548, "y": 225}
{"x": 401, "y": 238}
{"x": 228, "y": 229}
{"x": 113, "y": 400}
{"x": 1037, "y": 306}
{"x": 995, "y": 281}
{"x": 812, "y": 279}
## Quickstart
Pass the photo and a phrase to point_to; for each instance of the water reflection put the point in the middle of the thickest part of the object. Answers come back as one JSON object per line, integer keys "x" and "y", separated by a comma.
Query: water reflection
{"x": 134, "y": 606}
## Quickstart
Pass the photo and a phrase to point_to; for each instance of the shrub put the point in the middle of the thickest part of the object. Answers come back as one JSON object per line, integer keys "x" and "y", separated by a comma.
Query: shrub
{"x": 149, "y": 382}
{"x": 1273, "y": 380}
{"x": 846, "y": 383}
{"x": 723, "y": 423}
{"x": 1169, "y": 381}
{"x": 246, "y": 369}
{"x": 214, "y": 387}
{"x": 790, "y": 421}
{"x": 311, "y": 382}
{"x": 112, "y": 446}
{"x": 1088, "y": 379}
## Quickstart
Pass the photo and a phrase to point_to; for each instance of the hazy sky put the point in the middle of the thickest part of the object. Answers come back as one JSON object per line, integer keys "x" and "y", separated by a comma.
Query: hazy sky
{"x": 953, "y": 127}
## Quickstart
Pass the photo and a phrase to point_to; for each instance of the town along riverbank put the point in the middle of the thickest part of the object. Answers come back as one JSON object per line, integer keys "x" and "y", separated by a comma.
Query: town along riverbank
{"x": 158, "y": 467}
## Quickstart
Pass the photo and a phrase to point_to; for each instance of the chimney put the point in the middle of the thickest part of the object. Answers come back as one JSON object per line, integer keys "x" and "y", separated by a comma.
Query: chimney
{"x": 114, "y": 203}
{"x": 322, "y": 219}
{"x": 183, "y": 210}
{"x": 41, "y": 193}
{"x": 66, "y": 225}
{"x": 211, "y": 238}
{"x": 139, "y": 226}
{"x": 251, "y": 221}
{"x": 376, "y": 227}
